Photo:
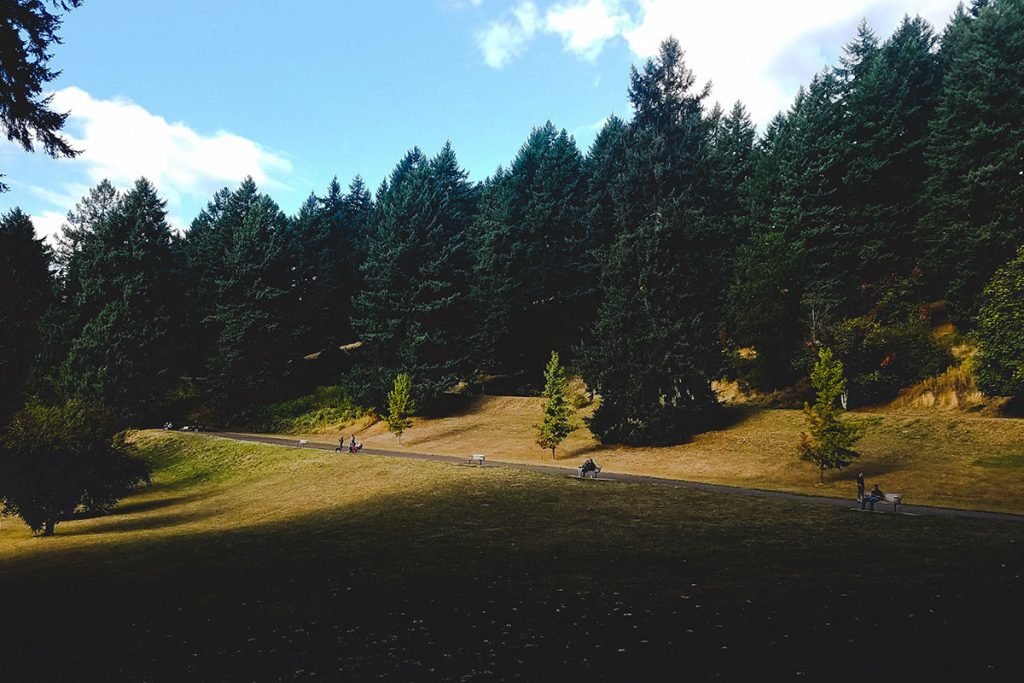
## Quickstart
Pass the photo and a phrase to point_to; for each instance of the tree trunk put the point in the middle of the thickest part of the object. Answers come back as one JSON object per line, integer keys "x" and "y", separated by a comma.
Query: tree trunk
{"x": 553, "y": 452}
{"x": 821, "y": 475}
{"x": 48, "y": 528}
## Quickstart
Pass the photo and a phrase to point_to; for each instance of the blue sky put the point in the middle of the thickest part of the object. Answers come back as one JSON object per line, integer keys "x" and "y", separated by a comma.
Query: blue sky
{"x": 196, "y": 95}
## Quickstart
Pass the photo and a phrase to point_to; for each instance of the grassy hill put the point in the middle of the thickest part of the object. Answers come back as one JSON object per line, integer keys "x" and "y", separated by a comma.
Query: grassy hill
{"x": 947, "y": 458}
{"x": 246, "y": 561}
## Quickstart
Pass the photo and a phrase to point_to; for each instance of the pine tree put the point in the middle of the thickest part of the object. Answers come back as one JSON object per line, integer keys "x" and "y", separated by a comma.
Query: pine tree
{"x": 763, "y": 305}
{"x": 732, "y": 160}
{"x": 123, "y": 289}
{"x": 829, "y": 441}
{"x": 655, "y": 346}
{"x": 415, "y": 314}
{"x": 241, "y": 292}
{"x": 558, "y": 422}
{"x": 975, "y": 194}
{"x": 400, "y": 406}
{"x": 28, "y": 31}
{"x": 533, "y": 260}
{"x": 888, "y": 107}
{"x": 26, "y": 291}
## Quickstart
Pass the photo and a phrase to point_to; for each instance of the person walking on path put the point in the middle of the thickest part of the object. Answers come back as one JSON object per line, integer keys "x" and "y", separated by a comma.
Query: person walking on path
{"x": 860, "y": 487}
{"x": 341, "y": 444}
{"x": 352, "y": 444}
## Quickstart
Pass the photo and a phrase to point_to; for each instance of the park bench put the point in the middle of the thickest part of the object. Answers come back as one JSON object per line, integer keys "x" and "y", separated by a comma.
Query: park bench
{"x": 302, "y": 442}
{"x": 476, "y": 459}
{"x": 592, "y": 473}
{"x": 894, "y": 499}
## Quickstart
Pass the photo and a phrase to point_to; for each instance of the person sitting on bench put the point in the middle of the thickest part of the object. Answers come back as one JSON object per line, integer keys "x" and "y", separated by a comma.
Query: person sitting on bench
{"x": 873, "y": 497}
{"x": 588, "y": 466}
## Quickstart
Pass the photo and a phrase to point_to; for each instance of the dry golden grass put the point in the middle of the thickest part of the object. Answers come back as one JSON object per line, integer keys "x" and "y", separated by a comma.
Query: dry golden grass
{"x": 933, "y": 458}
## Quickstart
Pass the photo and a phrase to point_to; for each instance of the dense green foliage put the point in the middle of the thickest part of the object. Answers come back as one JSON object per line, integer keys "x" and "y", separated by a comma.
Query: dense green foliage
{"x": 679, "y": 247}
{"x": 28, "y": 31}
{"x": 1000, "y": 363}
{"x": 558, "y": 422}
{"x": 26, "y": 291}
{"x": 57, "y": 460}
{"x": 829, "y": 440}
{"x": 324, "y": 408}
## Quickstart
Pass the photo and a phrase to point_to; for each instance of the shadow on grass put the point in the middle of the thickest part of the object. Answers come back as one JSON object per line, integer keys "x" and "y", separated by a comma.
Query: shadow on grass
{"x": 125, "y": 522}
{"x": 524, "y": 576}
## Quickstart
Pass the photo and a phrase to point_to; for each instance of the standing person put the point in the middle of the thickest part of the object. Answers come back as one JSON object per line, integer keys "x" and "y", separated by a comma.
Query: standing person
{"x": 352, "y": 444}
{"x": 860, "y": 486}
{"x": 341, "y": 444}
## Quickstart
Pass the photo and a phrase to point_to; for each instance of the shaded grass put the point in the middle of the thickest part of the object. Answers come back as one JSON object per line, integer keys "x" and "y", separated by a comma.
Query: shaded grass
{"x": 1003, "y": 461}
{"x": 284, "y": 563}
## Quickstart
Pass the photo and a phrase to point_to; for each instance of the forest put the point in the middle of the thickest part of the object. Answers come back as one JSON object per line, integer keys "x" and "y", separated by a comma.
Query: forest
{"x": 682, "y": 247}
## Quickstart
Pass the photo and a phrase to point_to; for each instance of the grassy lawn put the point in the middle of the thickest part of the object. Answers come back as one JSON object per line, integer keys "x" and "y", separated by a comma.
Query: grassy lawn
{"x": 253, "y": 562}
{"x": 946, "y": 458}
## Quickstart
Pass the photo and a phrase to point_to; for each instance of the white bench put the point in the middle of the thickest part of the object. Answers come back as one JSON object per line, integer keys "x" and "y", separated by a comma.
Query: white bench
{"x": 302, "y": 442}
{"x": 894, "y": 499}
{"x": 592, "y": 473}
{"x": 476, "y": 459}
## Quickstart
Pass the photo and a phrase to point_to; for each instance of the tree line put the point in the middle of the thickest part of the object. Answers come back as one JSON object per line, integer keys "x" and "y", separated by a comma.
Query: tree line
{"x": 681, "y": 247}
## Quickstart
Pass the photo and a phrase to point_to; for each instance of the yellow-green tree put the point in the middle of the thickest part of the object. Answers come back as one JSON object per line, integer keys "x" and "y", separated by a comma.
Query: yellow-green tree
{"x": 829, "y": 439}
{"x": 400, "y": 406}
{"x": 559, "y": 418}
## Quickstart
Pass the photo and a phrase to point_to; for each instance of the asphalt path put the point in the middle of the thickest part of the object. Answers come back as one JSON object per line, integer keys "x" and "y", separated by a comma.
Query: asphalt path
{"x": 883, "y": 508}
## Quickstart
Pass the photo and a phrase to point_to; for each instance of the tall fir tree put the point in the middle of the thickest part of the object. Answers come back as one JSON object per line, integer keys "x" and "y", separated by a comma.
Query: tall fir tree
{"x": 414, "y": 314}
{"x": 975, "y": 194}
{"x": 534, "y": 262}
{"x": 26, "y": 292}
{"x": 124, "y": 288}
{"x": 241, "y": 278}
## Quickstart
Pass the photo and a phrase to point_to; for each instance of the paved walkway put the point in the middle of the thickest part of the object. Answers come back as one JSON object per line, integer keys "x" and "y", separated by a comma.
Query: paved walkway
{"x": 638, "y": 479}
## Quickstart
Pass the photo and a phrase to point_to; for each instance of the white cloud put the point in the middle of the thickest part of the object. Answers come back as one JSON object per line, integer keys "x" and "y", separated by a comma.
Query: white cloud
{"x": 122, "y": 142}
{"x": 506, "y": 39}
{"x": 760, "y": 52}
{"x": 586, "y": 26}
{"x": 755, "y": 52}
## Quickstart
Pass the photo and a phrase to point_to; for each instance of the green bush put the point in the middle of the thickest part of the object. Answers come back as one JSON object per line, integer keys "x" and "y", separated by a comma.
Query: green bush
{"x": 325, "y": 407}
{"x": 880, "y": 359}
{"x": 1000, "y": 362}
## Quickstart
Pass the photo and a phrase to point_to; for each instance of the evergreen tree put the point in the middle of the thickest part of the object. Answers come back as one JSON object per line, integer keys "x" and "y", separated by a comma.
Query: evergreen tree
{"x": 534, "y": 261}
{"x": 603, "y": 168}
{"x": 763, "y": 307}
{"x": 28, "y": 31}
{"x": 975, "y": 194}
{"x": 414, "y": 314}
{"x": 1000, "y": 363}
{"x": 122, "y": 292}
{"x": 888, "y": 107}
{"x": 654, "y": 348}
{"x": 732, "y": 161}
{"x": 241, "y": 288}
{"x": 326, "y": 251}
{"x": 26, "y": 291}
{"x": 558, "y": 422}
{"x": 400, "y": 406}
{"x": 829, "y": 440}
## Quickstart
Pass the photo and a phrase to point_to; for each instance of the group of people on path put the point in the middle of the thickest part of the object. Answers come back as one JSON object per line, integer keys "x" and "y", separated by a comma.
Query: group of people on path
{"x": 871, "y": 498}
{"x": 353, "y": 445}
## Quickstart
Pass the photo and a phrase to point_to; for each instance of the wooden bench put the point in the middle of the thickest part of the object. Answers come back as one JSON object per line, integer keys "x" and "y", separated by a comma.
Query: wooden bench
{"x": 592, "y": 473}
{"x": 476, "y": 459}
{"x": 894, "y": 499}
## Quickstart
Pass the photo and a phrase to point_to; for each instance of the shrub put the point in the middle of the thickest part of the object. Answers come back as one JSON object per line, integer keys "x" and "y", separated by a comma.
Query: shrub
{"x": 1000, "y": 362}
{"x": 880, "y": 359}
